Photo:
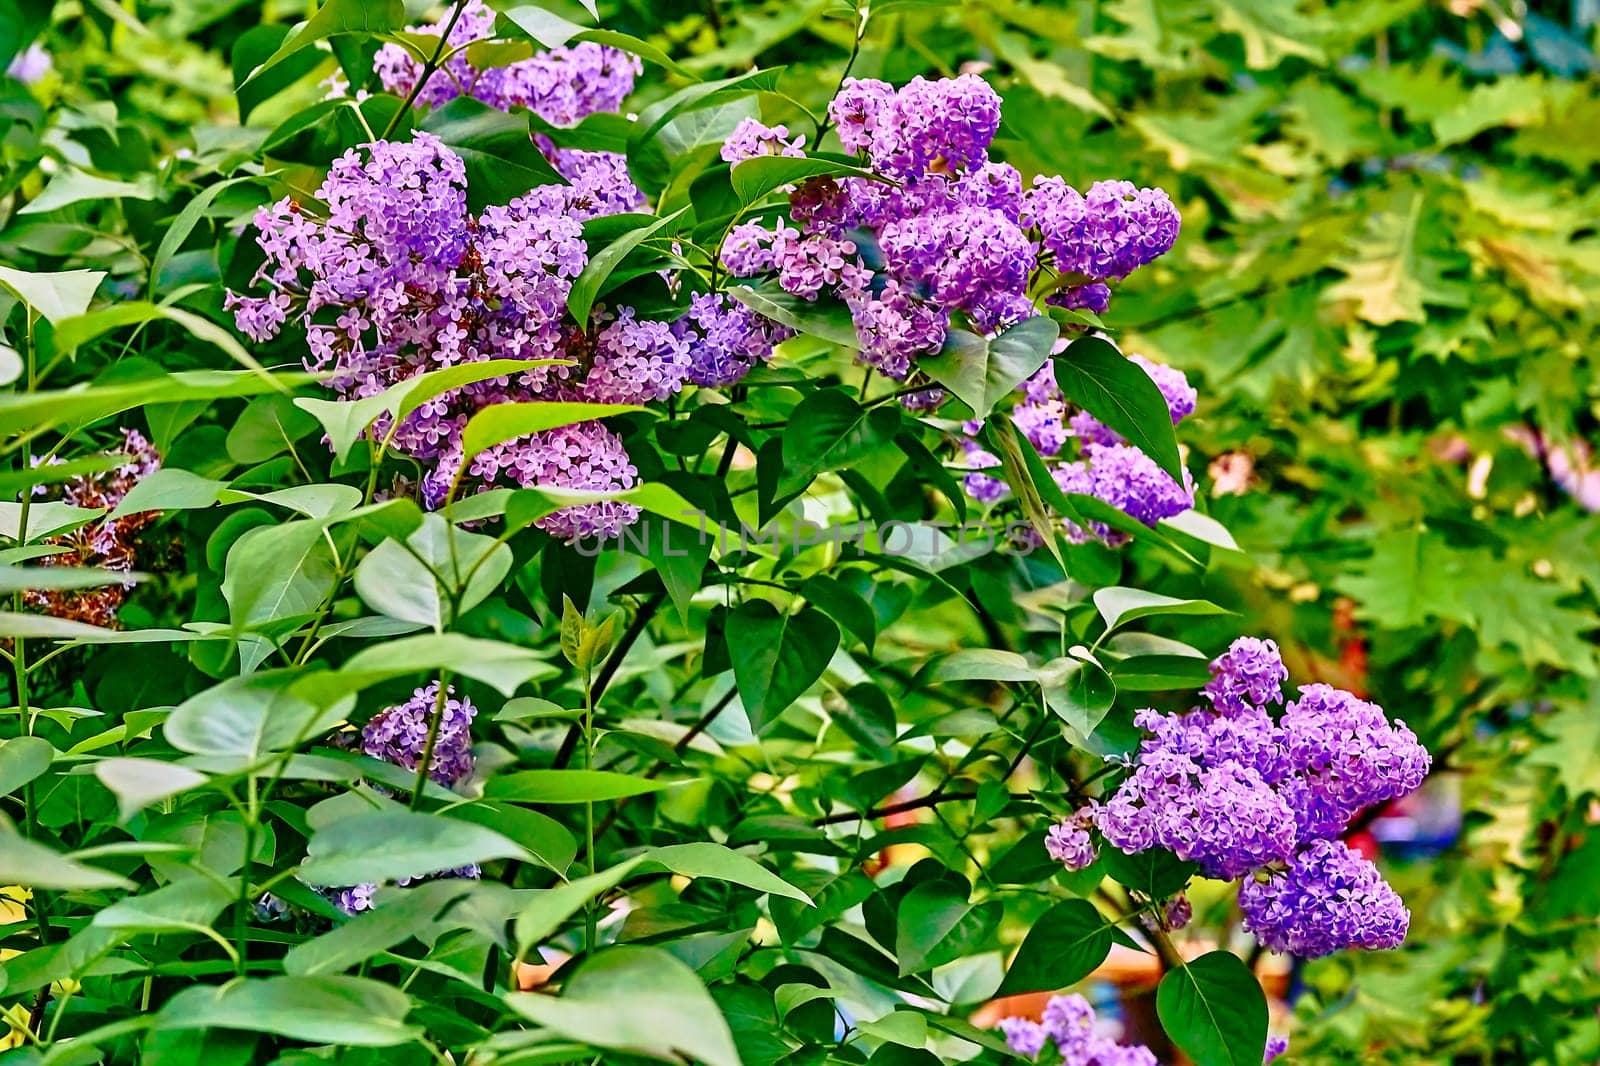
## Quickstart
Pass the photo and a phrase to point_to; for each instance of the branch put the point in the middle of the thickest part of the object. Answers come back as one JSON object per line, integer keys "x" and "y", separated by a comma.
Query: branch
{"x": 932, "y": 799}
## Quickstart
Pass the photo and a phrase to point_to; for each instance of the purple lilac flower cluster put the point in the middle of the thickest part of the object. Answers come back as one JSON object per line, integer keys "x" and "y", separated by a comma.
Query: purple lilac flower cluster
{"x": 561, "y": 86}
{"x": 399, "y": 735}
{"x": 1107, "y": 467}
{"x": 398, "y": 278}
{"x": 1069, "y": 1024}
{"x": 105, "y": 543}
{"x": 1246, "y": 795}
{"x": 947, "y": 230}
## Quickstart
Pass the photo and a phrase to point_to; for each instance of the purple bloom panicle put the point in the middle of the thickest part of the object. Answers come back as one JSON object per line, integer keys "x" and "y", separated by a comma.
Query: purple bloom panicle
{"x": 1246, "y": 796}
{"x": 751, "y": 139}
{"x": 1327, "y": 899}
{"x": 1069, "y": 1022}
{"x": 399, "y": 734}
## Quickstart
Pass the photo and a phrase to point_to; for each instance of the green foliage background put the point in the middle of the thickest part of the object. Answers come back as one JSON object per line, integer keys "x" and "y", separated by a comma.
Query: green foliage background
{"x": 1389, "y": 258}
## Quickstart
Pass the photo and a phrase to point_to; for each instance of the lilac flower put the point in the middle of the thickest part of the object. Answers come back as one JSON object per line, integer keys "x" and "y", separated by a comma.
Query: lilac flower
{"x": 1243, "y": 795}
{"x": 562, "y": 85}
{"x": 1094, "y": 296}
{"x": 399, "y": 734}
{"x": 1105, "y": 235}
{"x": 1327, "y": 899}
{"x": 1179, "y": 911}
{"x": 1069, "y": 1023}
{"x": 895, "y": 326}
{"x": 1248, "y": 676}
{"x": 1127, "y": 479}
{"x": 725, "y": 339}
{"x": 30, "y": 65}
{"x": 857, "y": 109}
{"x": 1345, "y": 755}
{"x": 1069, "y": 842}
{"x": 751, "y": 139}
{"x": 1225, "y": 817}
{"x": 635, "y": 361}
{"x": 584, "y": 457}
{"x": 970, "y": 258}
{"x": 1025, "y": 1037}
{"x": 1276, "y": 1045}
{"x": 748, "y": 250}
{"x": 948, "y": 123}
{"x": 807, "y": 264}
{"x": 106, "y": 543}
{"x": 1043, "y": 421}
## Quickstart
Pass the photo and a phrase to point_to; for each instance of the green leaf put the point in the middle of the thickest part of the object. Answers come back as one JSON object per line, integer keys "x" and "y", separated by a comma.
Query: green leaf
{"x": 137, "y": 783}
{"x": 276, "y": 572}
{"x": 830, "y": 431}
{"x": 367, "y": 17}
{"x": 550, "y": 30}
{"x": 55, "y": 297}
{"x": 346, "y": 420}
{"x": 701, "y": 94}
{"x": 823, "y": 317}
{"x": 981, "y": 372}
{"x": 669, "y": 1014}
{"x": 81, "y": 329}
{"x": 586, "y": 288}
{"x": 397, "y": 915}
{"x": 35, "y": 412}
{"x": 38, "y": 625}
{"x": 1119, "y": 605}
{"x": 641, "y": 48}
{"x": 546, "y": 839}
{"x": 22, "y": 862}
{"x": 190, "y": 905}
{"x": 1094, "y": 375}
{"x": 180, "y": 228}
{"x": 504, "y": 422}
{"x": 1030, "y": 481}
{"x": 170, "y": 489}
{"x": 21, "y": 578}
{"x": 72, "y": 186}
{"x": 843, "y": 605}
{"x": 569, "y": 786}
{"x": 1155, "y": 872}
{"x": 412, "y": 843}
{"x": 1078, "y": 690}
{"x": 251, "y": 717}
{"x": 321, "y": 1010}
{"x": 44, "y": 520}
{"x": 777, "y": 656}
{"x": 1214, "y": 1010}
{"x": 439, "y": 573}
{"x": 1271, "y": 32}
{"x": 935, "y": 924}
{"x": 501, "y": 159}
{"x": 721, "y": 863}
{"x": 981, "y": 664}
{"x": 504, "y": 667}
{"x": 550, "y": 907}
{"x": 23, "y": 759}
{"x": 755, "y": 178}
{"x": 1062, "y": 947}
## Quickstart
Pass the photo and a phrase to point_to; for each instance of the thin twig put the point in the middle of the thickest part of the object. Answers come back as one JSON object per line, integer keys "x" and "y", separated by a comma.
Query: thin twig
{"x": 428, "y": 70}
